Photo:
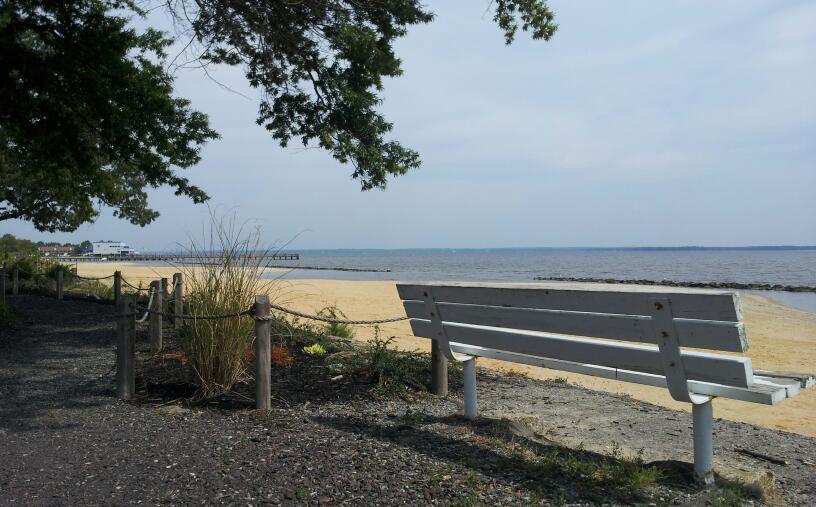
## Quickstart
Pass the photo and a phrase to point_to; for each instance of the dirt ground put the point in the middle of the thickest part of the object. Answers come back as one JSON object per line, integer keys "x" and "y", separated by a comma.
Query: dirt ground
{"x": 67, "y": 440}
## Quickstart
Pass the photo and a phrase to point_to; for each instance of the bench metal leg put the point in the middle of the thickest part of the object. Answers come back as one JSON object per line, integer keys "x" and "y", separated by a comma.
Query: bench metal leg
{"x": 470, "y": 388}
{"x": 702, "y": 415}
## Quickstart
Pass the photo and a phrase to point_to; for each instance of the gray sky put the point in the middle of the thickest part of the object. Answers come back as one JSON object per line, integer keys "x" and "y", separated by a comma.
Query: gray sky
{"x": 640, "y": 123}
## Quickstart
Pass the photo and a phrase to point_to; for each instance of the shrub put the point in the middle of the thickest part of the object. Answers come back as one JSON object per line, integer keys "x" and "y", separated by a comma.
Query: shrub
{"x": 281, "y": 357}
{"x": 224, "y": 277}
{"x": 39, "y": 272}
{"x": 51, "y": 269}
{"x": 5, "y": 313}
{"x": 93, "y": 288}
{"x": 393, "y": 372}
{"x": 339, "y": 330}
{"x": 27, "y": 265}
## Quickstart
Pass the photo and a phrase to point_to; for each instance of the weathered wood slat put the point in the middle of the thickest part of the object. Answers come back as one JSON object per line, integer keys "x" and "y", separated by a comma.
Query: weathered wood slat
{"x": 762, "y": 393}
{"x": 686, "y": 304}
{"x": 704, "y": 334}
{"x": 806, "y": 380}
{"x": 728, "y": 370}
{"x": 792, "y": 387}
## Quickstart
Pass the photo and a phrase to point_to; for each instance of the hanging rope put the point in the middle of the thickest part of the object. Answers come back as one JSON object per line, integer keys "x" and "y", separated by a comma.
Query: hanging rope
{"x": 93, "y": 278}
{"x": 149, "y": 304}
{"x": 331, "y": 320}
{"x": 133, "y": 286}
{"x": 251, "y": 312}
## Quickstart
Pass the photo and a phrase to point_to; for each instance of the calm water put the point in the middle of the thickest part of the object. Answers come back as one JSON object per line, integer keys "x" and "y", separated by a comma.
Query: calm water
{"x": 787, "y": 267}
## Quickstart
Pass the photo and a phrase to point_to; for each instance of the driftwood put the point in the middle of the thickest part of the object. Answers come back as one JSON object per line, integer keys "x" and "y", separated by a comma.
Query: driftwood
{"x": 764, "y": 457}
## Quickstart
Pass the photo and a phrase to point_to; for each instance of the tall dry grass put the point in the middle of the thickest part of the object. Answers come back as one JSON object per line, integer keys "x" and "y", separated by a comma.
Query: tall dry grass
{"x": 224, "y": 277}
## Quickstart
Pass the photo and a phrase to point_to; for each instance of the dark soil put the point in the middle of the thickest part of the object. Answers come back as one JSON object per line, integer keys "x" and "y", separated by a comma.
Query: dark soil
{"x": 66, "y": 440}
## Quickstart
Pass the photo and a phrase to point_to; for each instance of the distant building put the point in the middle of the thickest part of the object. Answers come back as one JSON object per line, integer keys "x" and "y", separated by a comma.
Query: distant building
{"x": 55, "y": 250}
{"x": 112, "y": 248}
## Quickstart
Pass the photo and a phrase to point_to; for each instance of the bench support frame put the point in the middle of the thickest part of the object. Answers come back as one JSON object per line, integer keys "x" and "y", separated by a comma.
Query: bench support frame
{"x": 703, "y": 417}
{"x": 471, "y": 407}
{"x": 664, "y": 329}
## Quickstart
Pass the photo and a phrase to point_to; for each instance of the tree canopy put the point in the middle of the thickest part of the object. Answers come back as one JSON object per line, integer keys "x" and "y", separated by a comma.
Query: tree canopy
{"x": 88, "y": 116}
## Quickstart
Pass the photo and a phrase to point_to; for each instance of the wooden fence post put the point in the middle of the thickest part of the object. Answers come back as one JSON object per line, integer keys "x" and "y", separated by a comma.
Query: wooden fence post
{"x": 125, "y": 348}
{"x": 15, "y": 281}
{"x": 60, "y": 285}
{"x": 263, "y": 366}
{"x": 117, "y": 287}
{"x": 156, "y": 318}
{"x": 178, "y": 300}
{"x": 439, "y": 370}
{"x": 3, "y": 284}
{"x": 164, "y": 287}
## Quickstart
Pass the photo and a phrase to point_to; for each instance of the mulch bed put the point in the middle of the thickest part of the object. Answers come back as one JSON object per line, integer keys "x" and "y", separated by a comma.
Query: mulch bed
{"x": 65, "y": 439}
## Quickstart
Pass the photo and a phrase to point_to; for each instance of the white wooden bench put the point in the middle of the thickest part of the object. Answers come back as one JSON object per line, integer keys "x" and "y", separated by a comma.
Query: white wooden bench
{"x": 589, "y": 331}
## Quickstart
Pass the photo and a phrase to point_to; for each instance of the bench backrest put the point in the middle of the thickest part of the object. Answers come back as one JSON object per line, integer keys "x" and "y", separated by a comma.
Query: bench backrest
{"x": 578, "y": 325}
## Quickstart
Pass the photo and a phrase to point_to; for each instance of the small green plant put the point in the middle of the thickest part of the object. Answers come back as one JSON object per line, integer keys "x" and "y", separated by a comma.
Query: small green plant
{"x": 337, "y": 329}
{"x": 625, "y": 478}
{"x": 733, "y": 494}
{"x": 393, "y": 372}
{"x": 315, "y": 350}
{"x": 631, "y": 474}
{"x": 5, "y": 313}
{"x": 53, "y": 268}
{"x": 92, "y": 288}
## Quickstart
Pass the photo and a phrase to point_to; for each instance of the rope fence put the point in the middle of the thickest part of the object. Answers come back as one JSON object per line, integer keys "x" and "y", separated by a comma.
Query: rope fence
{"x": 129, "y": 313}
{"x": 93, "y": 277}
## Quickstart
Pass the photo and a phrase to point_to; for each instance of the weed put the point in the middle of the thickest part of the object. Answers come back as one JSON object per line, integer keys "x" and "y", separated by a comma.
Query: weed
{"x": 5, "y": 313}
{"x": 732, "y": 494}
{"x": 513, "y": 373}
{"x": 393, "y": 372}
{"x": 315, "y": 350}
{"x": 630, "y": 474}
{"x": 472, "y": 478}
{"x": 466, "y": 499}
{"x": 337, "y": 329}
{"x": 93, "y": 288}
{"x": 281, "y": 357}
{"x": 623, "y": 477}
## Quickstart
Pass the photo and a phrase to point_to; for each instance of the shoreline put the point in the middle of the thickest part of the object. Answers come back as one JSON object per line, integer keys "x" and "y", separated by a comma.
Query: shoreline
{"x": 781, "y": 338}
{"x": 675, "y": 283}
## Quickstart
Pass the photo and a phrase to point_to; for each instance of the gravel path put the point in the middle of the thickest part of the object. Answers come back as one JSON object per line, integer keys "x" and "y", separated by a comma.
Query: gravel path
{"x": 64, "y": 439}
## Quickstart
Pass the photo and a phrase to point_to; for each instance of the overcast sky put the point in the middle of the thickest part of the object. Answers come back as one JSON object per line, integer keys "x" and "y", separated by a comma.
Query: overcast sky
{"x": 640, "y": 123}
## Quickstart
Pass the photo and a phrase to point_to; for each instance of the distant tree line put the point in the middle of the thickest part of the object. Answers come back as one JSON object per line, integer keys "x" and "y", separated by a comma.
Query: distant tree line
{"x": 13, "y": 246}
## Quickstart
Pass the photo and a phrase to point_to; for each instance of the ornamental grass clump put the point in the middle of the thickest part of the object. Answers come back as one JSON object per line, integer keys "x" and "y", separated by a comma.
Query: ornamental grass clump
{"x": 223, "y": 278}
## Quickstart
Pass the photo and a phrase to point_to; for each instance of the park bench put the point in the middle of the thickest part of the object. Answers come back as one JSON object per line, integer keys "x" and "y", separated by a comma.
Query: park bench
{"x": 590, "y": 331}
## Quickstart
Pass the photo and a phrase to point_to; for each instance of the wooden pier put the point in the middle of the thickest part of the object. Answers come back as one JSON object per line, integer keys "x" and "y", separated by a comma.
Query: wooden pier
{"x": 180, "y": 258}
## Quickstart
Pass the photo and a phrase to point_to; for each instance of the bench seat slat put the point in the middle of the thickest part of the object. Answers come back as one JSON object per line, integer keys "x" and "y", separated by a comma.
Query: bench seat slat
{"x": 720, "y": 369}
{"x": 704, "y": 334}
{"x": 757, "y": 393}
{"x": 686, "y": 304}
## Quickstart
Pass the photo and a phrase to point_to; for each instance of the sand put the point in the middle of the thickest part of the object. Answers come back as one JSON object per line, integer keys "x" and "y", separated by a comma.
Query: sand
{"x": 780, "y": 337}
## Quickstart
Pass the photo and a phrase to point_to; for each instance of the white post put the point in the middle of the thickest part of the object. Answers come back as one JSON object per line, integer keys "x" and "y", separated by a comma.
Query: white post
{"x": 470, "y": 388}
{"x": 703, "y": 417}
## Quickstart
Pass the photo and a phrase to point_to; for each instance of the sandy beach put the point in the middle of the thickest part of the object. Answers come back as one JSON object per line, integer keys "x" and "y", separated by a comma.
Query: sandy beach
{"x": 781, "y": 338}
